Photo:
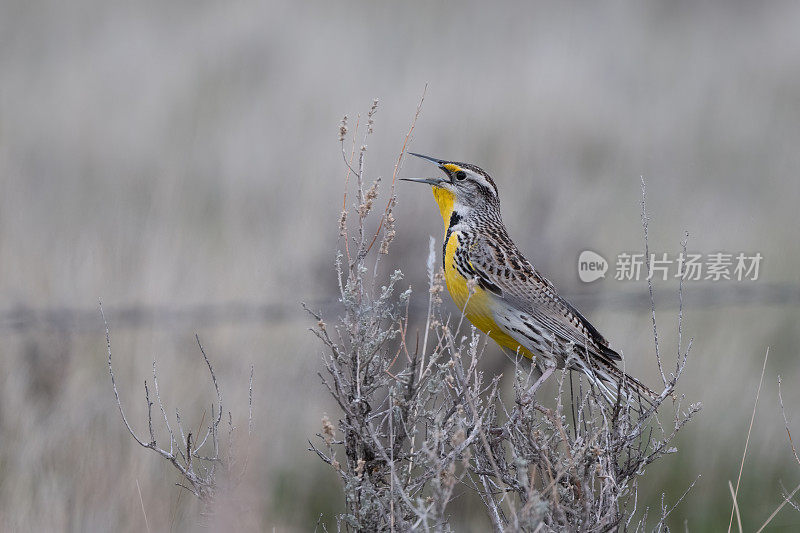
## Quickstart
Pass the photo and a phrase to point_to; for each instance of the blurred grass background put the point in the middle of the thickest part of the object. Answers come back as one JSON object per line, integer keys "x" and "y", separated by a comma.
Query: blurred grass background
{"x": 171, "y": 155}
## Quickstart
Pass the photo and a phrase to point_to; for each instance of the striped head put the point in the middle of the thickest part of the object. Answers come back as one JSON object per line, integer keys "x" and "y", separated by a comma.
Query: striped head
{"x": 464, "y": 188}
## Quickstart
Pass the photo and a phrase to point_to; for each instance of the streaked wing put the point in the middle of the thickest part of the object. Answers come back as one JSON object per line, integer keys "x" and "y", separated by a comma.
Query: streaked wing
{"x": 502, "y": 270}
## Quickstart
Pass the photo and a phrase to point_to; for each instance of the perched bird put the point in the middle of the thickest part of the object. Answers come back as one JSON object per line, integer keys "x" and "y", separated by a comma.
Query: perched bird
{"x": 501, "y": 292}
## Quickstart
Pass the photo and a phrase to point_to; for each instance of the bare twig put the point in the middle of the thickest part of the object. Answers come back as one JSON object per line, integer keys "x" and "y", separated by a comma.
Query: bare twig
{"x": 777, "y": 510}
{"x": 200, "y": 476}
{"x": 786, "y": 422}
{"x": 144, "y": 513}
{"x": 735, "y": 506}
{"x": 747, "y": 440}
{"x": 645, "y": 221}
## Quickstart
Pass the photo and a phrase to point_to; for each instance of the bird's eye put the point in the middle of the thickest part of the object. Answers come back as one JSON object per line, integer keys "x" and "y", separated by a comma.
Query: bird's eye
{"x": 460, "y": 175}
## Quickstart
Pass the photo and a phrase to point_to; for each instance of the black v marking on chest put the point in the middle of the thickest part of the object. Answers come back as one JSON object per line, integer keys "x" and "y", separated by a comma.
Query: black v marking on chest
{"x": 455, "y": 218}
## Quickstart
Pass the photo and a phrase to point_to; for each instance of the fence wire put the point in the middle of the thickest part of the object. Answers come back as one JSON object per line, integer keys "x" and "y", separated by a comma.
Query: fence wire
{"x": 21, "y": 318}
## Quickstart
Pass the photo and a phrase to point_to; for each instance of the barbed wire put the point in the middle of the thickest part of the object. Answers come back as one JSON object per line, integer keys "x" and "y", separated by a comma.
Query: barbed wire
{"x": 21, "y": 318}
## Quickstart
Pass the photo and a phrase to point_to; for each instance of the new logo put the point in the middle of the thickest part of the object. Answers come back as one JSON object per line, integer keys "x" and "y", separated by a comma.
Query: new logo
{"x": 591, "y": 266}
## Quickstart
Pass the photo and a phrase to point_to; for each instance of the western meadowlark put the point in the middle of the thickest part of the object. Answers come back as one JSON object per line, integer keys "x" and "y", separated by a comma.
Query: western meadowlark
{"x": 501, "y": 292}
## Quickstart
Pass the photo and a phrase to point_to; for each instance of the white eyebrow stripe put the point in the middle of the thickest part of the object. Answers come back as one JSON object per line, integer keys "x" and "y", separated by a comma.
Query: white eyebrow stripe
{"x": 476, "y": 172}
{"x": 483, "y": 181}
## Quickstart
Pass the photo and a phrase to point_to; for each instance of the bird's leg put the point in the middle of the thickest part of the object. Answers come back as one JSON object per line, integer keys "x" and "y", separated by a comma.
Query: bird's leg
{"x": 543, "y": 375}
{"x": 548, "y": 371}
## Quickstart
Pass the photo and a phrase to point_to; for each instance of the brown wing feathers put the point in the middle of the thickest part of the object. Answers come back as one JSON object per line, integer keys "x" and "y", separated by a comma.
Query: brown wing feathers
{"x": 501, "y": 269}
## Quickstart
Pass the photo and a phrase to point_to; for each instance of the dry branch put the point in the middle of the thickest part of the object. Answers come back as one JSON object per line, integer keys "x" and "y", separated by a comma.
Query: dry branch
{"x": 196, "y": 463}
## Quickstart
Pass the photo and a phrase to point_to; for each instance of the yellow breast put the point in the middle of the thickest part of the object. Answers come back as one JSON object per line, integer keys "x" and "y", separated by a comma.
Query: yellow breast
{"x": 478, "y": 307}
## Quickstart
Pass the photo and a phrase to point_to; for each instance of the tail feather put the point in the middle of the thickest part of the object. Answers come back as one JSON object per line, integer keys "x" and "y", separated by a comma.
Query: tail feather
{"x": 615, "y": 384}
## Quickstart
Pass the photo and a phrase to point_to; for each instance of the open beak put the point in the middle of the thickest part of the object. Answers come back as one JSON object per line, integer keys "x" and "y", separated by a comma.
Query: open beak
{"x": 429, "y": 181}
{"x": 439, "y": 162}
